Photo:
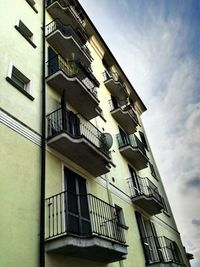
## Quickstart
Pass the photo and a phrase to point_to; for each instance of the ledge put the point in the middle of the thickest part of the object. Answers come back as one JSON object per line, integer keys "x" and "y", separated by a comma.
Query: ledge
{"x": 22, "y": 33}
{"x": 36, "y": 11}
{"x": 19, "y": 88}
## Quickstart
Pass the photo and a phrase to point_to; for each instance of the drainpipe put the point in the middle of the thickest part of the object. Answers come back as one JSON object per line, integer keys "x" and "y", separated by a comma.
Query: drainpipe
{"x": 43, "y": 151}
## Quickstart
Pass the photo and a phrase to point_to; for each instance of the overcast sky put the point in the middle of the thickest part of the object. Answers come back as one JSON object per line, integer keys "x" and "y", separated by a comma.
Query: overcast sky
{"x": 157, "y": 43}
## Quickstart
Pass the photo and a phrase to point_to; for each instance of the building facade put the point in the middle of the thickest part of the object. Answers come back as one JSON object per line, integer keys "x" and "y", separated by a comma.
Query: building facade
{"x": 105, "y": 204}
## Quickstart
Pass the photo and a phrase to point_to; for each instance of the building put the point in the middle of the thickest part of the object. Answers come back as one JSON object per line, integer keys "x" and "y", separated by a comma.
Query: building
{"x": 76, "y": 165}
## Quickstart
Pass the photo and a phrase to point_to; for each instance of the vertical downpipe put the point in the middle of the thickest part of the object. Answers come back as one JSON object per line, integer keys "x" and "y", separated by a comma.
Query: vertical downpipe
{"x": 43, "y": 149}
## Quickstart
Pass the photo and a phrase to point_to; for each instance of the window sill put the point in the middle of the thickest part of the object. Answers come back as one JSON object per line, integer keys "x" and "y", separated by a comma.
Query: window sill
{"x": 166, "y": 213}
{"x": 20, "y": 31}
{"x": 123, "y": 226}
{"x": 36, "y": 11}
{"x": 19, "y": 88}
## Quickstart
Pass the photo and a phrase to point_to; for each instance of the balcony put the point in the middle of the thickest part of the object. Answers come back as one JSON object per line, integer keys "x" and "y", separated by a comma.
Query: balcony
{"x": 67, "y": 13}
{"x": 78, "y": 140}
{"x": 115, "y": 86}
{"x": 145, "y": 195}
{"x": 78, "y": 82}
{"x": 133, "y": 150}
{"x": 93, "y": 234}
{"x": 126, "y": 117}
{"x": 66, "y": 42}
{"x": 161, "y": 252}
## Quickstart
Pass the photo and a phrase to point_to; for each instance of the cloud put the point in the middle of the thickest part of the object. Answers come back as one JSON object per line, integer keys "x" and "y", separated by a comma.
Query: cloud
{"x": 194, "y": 182}
{"x": 196, "y": 222}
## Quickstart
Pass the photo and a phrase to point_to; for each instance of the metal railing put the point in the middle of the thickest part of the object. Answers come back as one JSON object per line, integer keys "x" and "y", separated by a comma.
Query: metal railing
{"x": 107, "y": 75}
{"x": 82, "y": 215}
{"x": 144, "y": 187}
{"x": 161, "y": 249}
{"x": 67, "y": 31}
{"x": 62, "y": 120}
{"x": 126, "y": 108}
{"x": 72, "y": 9}
{"x": 132, "y": 140}
{"x": 73, "y": 69}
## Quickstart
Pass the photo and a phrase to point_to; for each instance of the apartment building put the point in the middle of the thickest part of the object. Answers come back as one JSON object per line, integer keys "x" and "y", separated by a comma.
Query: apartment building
{"x": 79, "y": 184}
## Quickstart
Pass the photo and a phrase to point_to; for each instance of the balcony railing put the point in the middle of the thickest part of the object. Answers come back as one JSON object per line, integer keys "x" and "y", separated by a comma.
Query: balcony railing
{"x": 73, "y": 69}
{"x": 67, "y": 31}
{"x": 107, "y": 75}
{"x": 72, "y": 9}
{"x": 144, "y": 187}
{"x": 62, "y": 120}
{"x": 131, "y": 140}
{"x": 97, "y": 218}
{"x": 127, "y": 109}
{"x": 161, "y": 249}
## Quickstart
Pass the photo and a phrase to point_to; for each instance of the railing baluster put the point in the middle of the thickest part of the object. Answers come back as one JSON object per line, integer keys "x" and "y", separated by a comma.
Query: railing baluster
{"x": 103, "y": 218}
{"x": 87, "y": 129}
{"x": 146, "y": 187}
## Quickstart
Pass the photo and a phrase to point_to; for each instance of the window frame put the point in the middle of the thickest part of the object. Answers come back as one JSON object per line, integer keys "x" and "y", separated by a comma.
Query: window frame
{"x": 13, "y": 71}
{"x": 32, "y": 4}
{"x": 144, "y": 140}
{"x": 25, "y": 32}
{"x": 120, "y": 216}
{"x": 153, "y": 171}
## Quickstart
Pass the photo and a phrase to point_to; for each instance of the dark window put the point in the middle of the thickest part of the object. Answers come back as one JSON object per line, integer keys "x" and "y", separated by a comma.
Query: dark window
{"x": 114, "y": 102}
{"x": 20, "y": 81}
{"x": 25, "y": 32}
{"x": 150, "y": 242}
{"x": 143, "y": 140}
{"x": 136, "y": 185}
{"x": 124, "y": 138}
{"x": 153, "y": 172}
{"x": 120, "y": 217}
{"x": 77, "y": 209}
{"x": 164, "y": 205}
{"x": 32, "y": 3}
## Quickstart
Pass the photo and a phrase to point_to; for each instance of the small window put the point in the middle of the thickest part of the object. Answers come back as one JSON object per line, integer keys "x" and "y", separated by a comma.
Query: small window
{"x": 165, "y": 208}
{"x": 153, "y": 172}
{"x": 143, "y": 140}
{"x": 120, "y": 217}
{"x": 32, "y": 3}
{"x": 19, "y": 81}
{"x": 25, "y": 32}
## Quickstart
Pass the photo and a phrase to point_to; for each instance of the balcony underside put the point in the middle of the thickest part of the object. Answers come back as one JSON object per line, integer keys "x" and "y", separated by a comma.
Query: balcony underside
{"x": 148, "y": 204}
{"x": 76, "y": 94}
{"x": 116, "y": 89}
{"x": 92, "y": 248}
{"x": 125, "y": 120}
{"x": 164, "y": 264}
{"x": 66, "y": 46}
{"x": 135, "y": 157}
{"x": 82, "y": 152}
{"x": 64, "y": 14}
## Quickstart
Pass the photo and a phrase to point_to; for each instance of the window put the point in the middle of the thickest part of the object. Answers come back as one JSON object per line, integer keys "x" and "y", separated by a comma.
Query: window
{"x": 143, "y": 140}
{"x": 165, "y": 208}
{"x": 32, "y": 3}
{"x": 19, "y": 81}
{"x": 77, "y": 208}
{"x": 153, "y": 172}
{"x": 120, "y": 217}
{"x": 25, "y": 32}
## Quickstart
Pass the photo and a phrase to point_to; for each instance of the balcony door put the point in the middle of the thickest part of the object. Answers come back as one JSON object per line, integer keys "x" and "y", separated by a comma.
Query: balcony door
{"x": 52, "y": 61}
{"x": 150, "y": 240}
{"x": 135, "y": 188}
{"x": 77, "y": 208}
{"x": 124, "y": 137}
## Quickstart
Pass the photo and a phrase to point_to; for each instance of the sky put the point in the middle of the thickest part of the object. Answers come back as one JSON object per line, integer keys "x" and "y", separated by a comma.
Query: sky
{"x": 157, "y": 43}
